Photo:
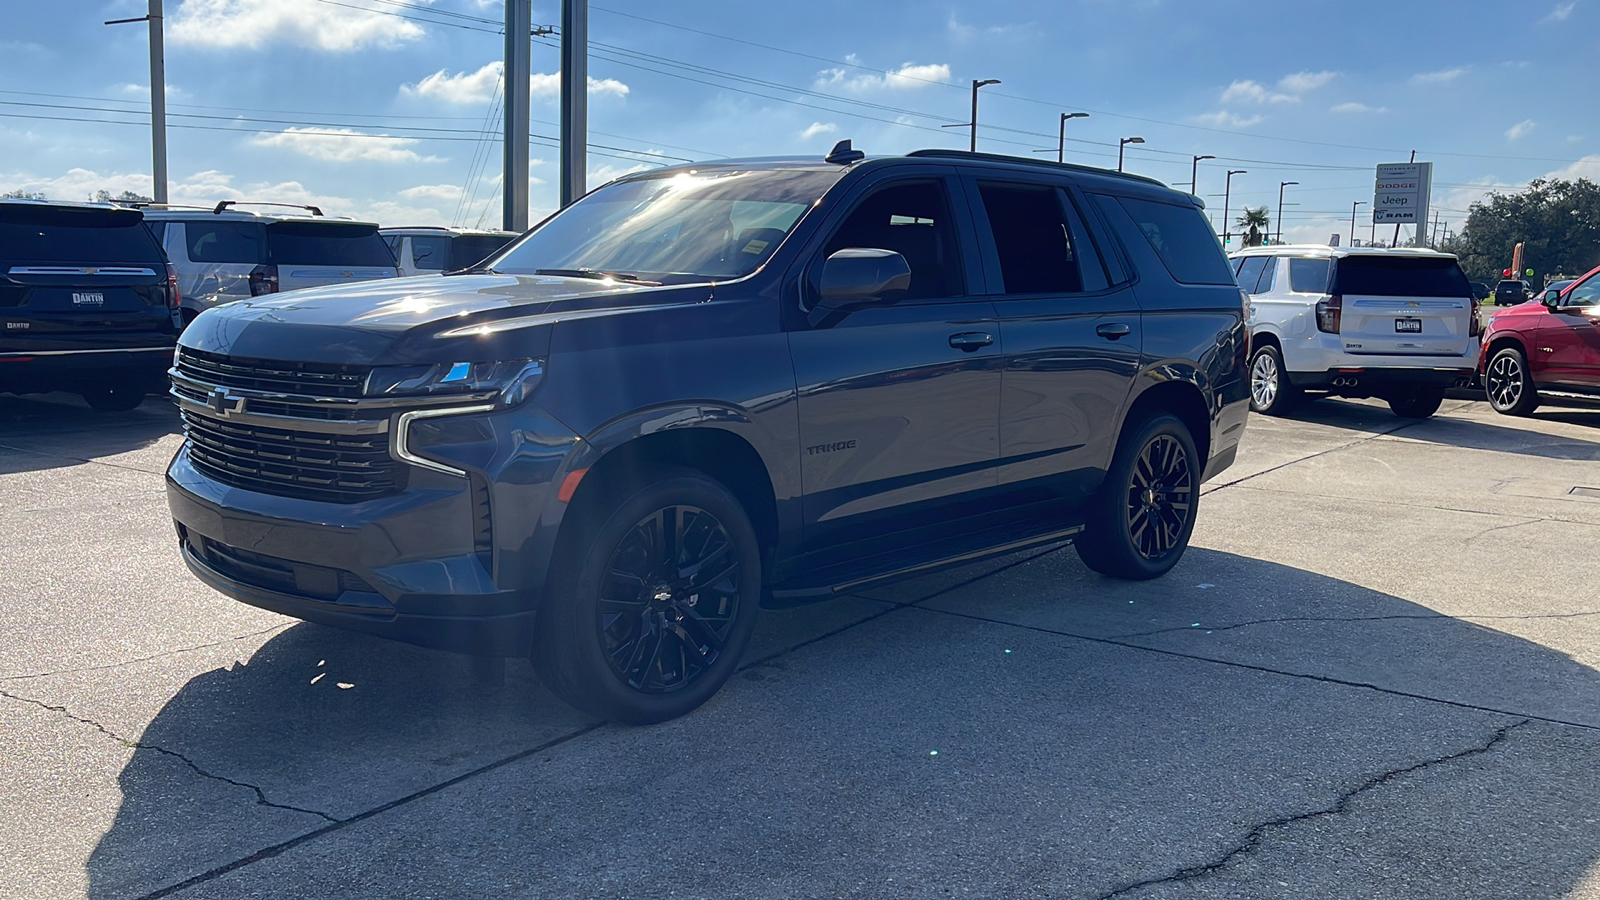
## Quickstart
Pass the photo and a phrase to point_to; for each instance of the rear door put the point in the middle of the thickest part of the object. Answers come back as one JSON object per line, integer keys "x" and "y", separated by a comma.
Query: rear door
{"x": 81, "y": 279}
{"x": 1395, "y": 305}
{"x": 315, "y": 253}
{"x": 1072, "y": 338}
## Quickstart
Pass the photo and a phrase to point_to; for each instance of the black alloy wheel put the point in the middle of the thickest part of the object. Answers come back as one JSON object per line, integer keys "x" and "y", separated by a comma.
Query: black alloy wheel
{"x": 1506, "y": 383}
{"x": 669, "y": 599}
{"x": 1420, "y": 403}
{"x": 652, "y": 598}
{"x": 1139, "y": 523}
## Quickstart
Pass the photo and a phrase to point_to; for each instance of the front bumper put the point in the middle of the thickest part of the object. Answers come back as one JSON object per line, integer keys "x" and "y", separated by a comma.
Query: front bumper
{"x": 449, "y": 562}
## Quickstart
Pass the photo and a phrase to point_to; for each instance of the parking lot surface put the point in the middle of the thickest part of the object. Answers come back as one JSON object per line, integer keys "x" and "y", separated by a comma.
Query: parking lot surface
{"x": 1373, "y": 675}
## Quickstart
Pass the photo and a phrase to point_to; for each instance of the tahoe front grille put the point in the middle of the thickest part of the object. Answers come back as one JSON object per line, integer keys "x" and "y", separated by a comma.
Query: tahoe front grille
{"x": 310, "y": 465}
{"x": 276, "y": 376}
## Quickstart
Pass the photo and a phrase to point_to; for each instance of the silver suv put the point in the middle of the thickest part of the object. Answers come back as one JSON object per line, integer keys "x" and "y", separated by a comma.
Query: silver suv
{"x": 223, "y": 253}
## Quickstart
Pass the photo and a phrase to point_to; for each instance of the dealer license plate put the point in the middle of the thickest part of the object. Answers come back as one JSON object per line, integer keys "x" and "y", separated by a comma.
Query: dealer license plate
{"x": 1408, "y": 326}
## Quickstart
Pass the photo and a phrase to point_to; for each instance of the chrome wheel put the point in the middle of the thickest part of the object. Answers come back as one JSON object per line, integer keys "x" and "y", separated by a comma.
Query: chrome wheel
{"x": 1505, "y": 381}
{"x": 1160, "y": 497}
{"x": 1264, "y": 380}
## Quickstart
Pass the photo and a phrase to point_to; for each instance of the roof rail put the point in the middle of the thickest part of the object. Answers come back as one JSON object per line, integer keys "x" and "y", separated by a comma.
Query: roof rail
{"x": 151, "y": 204}
{"x": 1035, "y": 163}
{"x": 223, "y": 206}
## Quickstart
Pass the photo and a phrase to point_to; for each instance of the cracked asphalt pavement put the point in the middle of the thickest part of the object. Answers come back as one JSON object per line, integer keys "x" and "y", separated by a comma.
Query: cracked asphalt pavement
{"x": 1373, "y": 676}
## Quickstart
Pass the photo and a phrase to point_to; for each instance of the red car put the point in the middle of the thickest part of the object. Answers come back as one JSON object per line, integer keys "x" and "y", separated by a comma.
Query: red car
{"x": 1545, "y": 351}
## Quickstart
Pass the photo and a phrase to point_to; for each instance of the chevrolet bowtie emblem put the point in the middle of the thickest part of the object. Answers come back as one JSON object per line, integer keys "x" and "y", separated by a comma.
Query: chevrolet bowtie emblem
{"x": 89, "y": 270}
{"x": 224, "y": 402}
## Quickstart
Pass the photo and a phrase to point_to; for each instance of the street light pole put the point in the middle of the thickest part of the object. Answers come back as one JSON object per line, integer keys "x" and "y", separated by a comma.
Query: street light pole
{"x": 973, "y": 145}
{"x": 1123, "y": 145}
{"x": 1227, "y": 194}
{"x": 1281, "y": 186}
{"x": 1353, "y": 220}
{"x": 1061, "y": 144}
{"x": 158, "y": 98}
{"x": 1194, "y": 175}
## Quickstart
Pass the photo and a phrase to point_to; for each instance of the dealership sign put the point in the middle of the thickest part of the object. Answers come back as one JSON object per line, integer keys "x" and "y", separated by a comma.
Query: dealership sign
{"x": 1402, "y": 193}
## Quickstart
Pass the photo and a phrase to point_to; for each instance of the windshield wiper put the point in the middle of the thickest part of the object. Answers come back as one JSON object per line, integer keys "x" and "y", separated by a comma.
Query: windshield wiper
{"x": 473, "y": 270}
{"x": 594, "y": 273}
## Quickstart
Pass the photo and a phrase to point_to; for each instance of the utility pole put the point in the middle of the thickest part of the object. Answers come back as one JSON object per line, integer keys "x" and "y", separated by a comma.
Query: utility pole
{"x": 518, "y": 71}
{"x": 1061, "y": 144}
{"x": 574, "y": 100}
{"x": 1227, "y": 194}
{"x": 1353, "y": 220}
{"x": 158, "y": 98}
{"x": 1194, "y": 175}
{"x": 1281, "y": 186}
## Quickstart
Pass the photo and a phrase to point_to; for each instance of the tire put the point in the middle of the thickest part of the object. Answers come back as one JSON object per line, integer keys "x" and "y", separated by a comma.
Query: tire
{"x": 626, "y": 632}
{"x": 1506, "y": 384}
{"x": 1417, "y": 404}
{"x": 114, "y": 399}
{"x": 1271, "y": 393}
{"x": 1140, "y": 520}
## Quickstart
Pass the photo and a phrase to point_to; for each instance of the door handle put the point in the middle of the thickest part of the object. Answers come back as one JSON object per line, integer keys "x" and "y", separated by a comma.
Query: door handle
{"x": 1113, "y": 330}
{"x": 970, "y": 340}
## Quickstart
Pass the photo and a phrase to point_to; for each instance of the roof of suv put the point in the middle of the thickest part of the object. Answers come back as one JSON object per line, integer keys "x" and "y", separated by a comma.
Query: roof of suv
{"x": 442, "y": 230}
{"x": 162, "y": 212}
{"x": 1339, "y": 252}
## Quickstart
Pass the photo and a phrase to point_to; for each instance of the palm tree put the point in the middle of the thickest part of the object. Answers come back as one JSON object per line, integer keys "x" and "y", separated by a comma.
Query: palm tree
{"x": 1256, "y": 222}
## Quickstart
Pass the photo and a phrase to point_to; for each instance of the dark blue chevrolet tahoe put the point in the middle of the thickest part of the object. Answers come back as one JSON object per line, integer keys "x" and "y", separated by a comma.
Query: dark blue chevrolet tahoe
{"x": 705, "y": 388}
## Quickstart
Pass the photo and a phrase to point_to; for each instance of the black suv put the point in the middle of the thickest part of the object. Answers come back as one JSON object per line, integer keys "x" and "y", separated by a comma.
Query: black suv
{"x": 709, "y": 386}
{"x": 88, "y": 303}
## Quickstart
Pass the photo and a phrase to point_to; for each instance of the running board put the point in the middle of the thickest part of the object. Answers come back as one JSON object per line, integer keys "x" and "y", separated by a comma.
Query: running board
{"x": 794, "y": 596}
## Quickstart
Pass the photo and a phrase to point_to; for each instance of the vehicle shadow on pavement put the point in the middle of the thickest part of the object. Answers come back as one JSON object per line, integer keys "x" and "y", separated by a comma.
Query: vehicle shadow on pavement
{"x": 1262, "y": 730}
{"x": 59, "y": 430}
{"x": 1505, "y": 437}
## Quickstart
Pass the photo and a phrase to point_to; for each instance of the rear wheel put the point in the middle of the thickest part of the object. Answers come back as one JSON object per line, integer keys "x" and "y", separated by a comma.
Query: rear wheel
{"x": 1507, "y": 385}
{"x": 114, "y": 399}
{"x": 1270, "y": 391}
{"x": 1140, "y": 520}
{"x": 1419, "y": 403}
{"x": 654, "y": 601}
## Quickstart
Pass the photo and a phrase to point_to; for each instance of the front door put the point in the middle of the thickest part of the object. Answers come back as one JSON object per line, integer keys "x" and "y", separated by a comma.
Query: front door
{"x": 898, "y": 404}
{"x": 1569, "y": 340}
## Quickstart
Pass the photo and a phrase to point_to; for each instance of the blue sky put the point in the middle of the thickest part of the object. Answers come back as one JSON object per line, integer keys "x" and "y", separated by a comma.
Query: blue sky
{"x": 351, "y": 105}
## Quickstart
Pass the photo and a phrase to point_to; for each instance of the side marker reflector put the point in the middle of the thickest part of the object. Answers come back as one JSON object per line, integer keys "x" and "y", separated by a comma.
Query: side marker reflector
{"x": 569, "y": 485}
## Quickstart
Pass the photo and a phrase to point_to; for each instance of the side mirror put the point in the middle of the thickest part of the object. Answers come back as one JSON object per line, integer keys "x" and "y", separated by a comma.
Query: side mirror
{"x": 860, "y": 276}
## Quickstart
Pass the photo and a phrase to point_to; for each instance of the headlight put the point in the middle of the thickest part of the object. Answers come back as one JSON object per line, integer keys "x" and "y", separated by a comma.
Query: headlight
{"x": 513, "y": 379}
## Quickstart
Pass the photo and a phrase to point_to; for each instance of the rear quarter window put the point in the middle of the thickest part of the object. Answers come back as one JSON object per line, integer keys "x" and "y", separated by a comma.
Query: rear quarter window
{"x": 327, "y": 244}
{"x": 225, "y": 242}
{"x": 1397, "y": 276}
{"x": 1182, "y": 238}
{"x": 1309, "y": 276}
{"x": 50, "y": 235}
{"x": 469, "y": 250}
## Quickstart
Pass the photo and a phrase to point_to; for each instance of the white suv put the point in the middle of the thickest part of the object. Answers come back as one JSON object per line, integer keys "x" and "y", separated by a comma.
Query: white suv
{"x": 431, "y": 250}
{"x": 1397, "y": 324}
{"x": 223, "y": 253}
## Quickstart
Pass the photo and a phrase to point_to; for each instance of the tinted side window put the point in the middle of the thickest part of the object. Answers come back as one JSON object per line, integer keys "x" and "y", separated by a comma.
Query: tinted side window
{"x": 1250, "y": 272}
{"x": 1585, "y": 294}
{"x": 1269, "y": 275}
{"x": 396, "y": 244}
{"x": 914, "y": 220}
{"x": 1309, "y": 276}
{"x": 31, "y": 234}
{"x": 226, "y": 242}
{"x": 1033, "y": 239}
{"x": 430, "y": 252}
{"x": 1182, "y": 238}
{"x": 469, "y": 250}
{"x": 332, "y": 244}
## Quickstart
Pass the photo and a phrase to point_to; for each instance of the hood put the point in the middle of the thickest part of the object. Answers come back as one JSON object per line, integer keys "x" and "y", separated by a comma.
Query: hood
{"x": 423, "y": 319}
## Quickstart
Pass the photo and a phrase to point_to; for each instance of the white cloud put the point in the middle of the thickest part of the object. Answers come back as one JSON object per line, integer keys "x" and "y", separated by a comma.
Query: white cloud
{"x": 1561, "y": 13}
{"x": 816, "y": 128}
{"x": 477, "y": 88}
{"x": 1254, "y": 92}
{"x": 344, "y": 145}
{"x": 910, "y": 76}
{"x": 1305, "y": 82}
{"x": 1358, "y": 108}
{"x": 438, "y": 193}
{"x": 1587, "y": 167}
{"x": 1521, "y": 129}
{"x": 602, "y": 174}
{"x": 218, "y": 24}
{"x": 1224, "y": 119}
{"x": 1441, "y": 77}
{"x": 142, "y": 91}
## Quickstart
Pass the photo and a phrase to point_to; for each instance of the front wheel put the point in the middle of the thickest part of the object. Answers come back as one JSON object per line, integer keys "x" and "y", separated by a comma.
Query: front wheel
{"x": 653, "y": 601}
{"x": 1506, "y": 383}
{"x": 1417, "y": 404}
{"x": 1140, "y": 520}
{"x": 1271, "y": 393}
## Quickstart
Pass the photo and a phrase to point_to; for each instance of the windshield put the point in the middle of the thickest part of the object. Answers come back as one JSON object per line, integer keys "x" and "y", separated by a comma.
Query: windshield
{"x": 673, "y": 228}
